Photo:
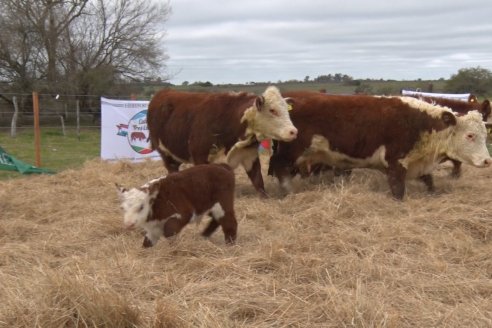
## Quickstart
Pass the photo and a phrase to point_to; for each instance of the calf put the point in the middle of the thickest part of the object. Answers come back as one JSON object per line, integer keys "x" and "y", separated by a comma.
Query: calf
{"x": 192, "y": 127}
{"x": 165, "y": 205}
{"x": 402, "y": 136}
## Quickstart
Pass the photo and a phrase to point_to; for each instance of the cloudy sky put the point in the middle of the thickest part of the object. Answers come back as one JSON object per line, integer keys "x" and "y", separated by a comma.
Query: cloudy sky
{"x": 237, "y": 41}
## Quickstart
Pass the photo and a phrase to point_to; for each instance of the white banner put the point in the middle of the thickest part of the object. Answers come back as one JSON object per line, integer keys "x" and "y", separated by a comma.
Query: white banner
{"x": 124, "y": 130}
{"x": 455, "y": 96}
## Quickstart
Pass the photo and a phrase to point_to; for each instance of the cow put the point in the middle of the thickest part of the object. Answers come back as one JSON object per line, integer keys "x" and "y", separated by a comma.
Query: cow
{"x": 402, "y": 136}
{"x": 137, "y": 135}
{"x": 461, "y": 108}
{"x": 196, "y": 128}
{"x": 164, "y": 206}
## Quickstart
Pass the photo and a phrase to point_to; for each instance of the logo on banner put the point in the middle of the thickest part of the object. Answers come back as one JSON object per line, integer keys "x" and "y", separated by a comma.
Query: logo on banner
{"x": 136, "y": 132}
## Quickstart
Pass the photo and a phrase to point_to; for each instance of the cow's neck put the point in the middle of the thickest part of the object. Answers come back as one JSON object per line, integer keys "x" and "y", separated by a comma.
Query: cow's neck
{"x": 432, "y": 147}
{"x": 249, "y": 117}
{"x": 245, "y": 150}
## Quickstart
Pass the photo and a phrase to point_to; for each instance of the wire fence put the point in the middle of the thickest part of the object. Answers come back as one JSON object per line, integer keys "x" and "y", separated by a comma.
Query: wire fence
{"x": 70, "y": 128}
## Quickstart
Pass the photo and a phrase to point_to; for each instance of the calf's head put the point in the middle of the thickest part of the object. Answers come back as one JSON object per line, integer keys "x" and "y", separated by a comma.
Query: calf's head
{"x": 468, "y": 141}
{"x": 272, "y": 117}
{"x": 136, "y": 204}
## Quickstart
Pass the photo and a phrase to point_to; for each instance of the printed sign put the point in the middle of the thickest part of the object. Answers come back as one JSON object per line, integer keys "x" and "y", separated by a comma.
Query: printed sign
{"x": 124, "y": 131}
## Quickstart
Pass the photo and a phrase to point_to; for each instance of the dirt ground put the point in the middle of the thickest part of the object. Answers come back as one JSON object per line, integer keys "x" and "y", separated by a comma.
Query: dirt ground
{"x": 339, "y": 252}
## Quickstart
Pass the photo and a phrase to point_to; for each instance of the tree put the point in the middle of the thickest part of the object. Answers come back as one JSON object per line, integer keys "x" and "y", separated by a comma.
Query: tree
{"x": 80, "y": 46}
{"x": 474, "y": 80}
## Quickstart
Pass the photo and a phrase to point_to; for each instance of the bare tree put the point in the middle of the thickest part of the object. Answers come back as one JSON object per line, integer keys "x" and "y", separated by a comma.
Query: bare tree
{"x": 80, "y": 45}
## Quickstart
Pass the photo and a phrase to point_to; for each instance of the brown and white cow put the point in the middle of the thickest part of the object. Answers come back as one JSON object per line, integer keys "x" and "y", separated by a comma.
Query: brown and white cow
{"x": 164, "y": 206}
{"x": 461, "y": 108}
{"x": 404, "y": 137}
{"x": 187, "y": 127}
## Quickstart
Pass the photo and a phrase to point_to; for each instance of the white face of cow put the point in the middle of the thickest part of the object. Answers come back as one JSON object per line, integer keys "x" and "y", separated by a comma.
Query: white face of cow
{"x": 272, "y": 117}
{"x": 136, "y": 204}
{"x": 468, "y": 142}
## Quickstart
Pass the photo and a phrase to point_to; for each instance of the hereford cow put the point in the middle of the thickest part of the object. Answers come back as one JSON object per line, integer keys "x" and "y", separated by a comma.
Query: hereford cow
{"x": 461, "y": 108}
{"x": 405, "y": 137}
{"x": 186, "y": 127}
{"x": 165, "y": 205}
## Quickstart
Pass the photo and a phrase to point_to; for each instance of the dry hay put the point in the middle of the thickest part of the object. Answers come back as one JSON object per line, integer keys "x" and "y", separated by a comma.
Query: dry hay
{"x": 336, "y": 253}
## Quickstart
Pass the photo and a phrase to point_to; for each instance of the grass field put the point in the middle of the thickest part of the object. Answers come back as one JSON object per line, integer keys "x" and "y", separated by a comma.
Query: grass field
{"x": 58, "y": 152}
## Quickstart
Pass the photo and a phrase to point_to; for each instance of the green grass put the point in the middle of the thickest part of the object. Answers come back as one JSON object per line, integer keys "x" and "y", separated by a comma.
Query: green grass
{"x": 58, "y": 152}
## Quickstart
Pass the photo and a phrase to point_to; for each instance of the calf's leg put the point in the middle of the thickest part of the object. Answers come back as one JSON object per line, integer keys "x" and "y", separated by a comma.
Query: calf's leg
{"x": 229, "y": 227}
{"x": 210, "y": 229}
{"x": 174, "y": 225}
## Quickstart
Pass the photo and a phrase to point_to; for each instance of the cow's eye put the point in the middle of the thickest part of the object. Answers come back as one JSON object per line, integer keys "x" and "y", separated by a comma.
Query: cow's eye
{"x": 140, "y": 209}
{"x": 470, "y": 136}
{"x": 273, "y": 112}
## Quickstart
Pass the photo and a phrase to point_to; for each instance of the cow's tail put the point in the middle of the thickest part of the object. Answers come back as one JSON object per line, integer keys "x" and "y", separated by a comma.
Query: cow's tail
{"x": 157, "y": 116}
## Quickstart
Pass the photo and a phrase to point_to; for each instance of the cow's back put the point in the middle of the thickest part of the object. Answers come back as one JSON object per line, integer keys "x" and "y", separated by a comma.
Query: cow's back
{"x": 201, "y": 185}
{"x": 462, "y": 107}
{"x": 179, "y": 121}
{"x": 357, "y": 126}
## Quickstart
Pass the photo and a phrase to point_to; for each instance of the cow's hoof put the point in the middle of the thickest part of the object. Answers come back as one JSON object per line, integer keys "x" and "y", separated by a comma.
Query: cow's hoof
{"x": 147, "y": 243}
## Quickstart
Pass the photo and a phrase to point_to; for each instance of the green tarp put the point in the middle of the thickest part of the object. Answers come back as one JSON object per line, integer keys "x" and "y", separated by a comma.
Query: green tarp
{"x": 10, "y": 163}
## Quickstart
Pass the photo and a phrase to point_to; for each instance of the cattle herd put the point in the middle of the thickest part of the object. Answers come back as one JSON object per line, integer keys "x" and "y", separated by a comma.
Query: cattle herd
{"x": 405, "y": 137}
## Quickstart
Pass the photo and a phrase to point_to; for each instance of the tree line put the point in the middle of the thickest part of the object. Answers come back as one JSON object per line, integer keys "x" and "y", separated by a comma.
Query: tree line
{"x": 80, "y": 47}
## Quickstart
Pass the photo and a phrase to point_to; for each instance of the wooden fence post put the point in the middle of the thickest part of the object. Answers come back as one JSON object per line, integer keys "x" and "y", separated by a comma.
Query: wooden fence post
{"x": 37, "y": 130}
{"x": 77, "y": 108}
{"x": 63, "y": 125}
{"x": 13, "y": 130}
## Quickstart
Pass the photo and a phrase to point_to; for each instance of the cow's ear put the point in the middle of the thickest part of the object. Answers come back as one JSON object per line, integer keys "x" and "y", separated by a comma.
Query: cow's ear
{"x": 153, "y": 191}
{"x": 485, "y": 106}
{"x": 259, "y": 102}
{"x": 448, "y": 118}
{"x": 290, "y": 102}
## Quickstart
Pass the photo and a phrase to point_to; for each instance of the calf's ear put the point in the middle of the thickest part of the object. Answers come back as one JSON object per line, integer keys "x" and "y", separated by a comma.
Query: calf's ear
{"x": 259, "y": 102}
{"x": 120, "y": 189}
{"x": 448, "y": 118}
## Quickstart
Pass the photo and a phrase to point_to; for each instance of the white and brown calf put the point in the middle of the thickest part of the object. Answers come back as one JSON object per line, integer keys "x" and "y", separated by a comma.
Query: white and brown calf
{"x": 166, "y": 205}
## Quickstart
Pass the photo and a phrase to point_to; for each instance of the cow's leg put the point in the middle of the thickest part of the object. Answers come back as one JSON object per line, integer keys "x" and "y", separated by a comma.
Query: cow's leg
{"x": 341, "y": 172}
{"x": 428, "y": 181}
{"x": 396, "y": 180}
{"x": 170, "y": 163}
{"x": 456, "y": 172}
{"x": 254, "y": 174}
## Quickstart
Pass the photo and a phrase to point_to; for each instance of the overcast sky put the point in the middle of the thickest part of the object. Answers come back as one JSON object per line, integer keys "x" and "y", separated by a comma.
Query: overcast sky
{"x": 237, "y": 41}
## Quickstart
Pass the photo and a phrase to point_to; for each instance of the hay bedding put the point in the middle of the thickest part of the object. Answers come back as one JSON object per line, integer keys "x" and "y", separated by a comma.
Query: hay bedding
{"x": 336, "y": 253}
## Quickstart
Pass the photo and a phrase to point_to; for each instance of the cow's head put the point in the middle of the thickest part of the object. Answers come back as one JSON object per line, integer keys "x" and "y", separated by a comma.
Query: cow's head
{"x": 468, "y": 141}
{"x": 271, "y": 119}
{"x": 136, "y": 204}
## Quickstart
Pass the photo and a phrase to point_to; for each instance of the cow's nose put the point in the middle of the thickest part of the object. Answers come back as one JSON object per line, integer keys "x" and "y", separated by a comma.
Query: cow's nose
{"x": 293, "y": 133}
{"x": 487, "y": 162}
